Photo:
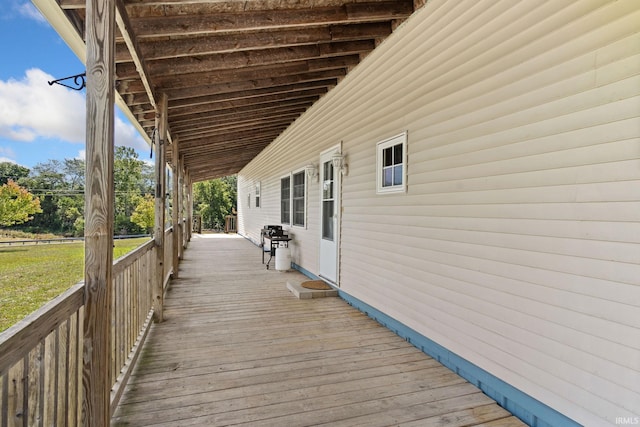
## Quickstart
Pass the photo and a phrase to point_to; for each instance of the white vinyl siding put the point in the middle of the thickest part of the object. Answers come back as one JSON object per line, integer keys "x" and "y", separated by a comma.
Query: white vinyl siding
{"x": 517, "y": 242}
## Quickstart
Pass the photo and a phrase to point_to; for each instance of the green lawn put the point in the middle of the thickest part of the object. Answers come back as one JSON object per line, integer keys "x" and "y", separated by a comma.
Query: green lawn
{"x": 32, "y": 275}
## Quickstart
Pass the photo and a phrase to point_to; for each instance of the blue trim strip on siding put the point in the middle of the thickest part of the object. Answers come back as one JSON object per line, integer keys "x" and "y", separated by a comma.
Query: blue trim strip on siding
{"x": 531, "y": 411}
{"x": 304, "y": 271}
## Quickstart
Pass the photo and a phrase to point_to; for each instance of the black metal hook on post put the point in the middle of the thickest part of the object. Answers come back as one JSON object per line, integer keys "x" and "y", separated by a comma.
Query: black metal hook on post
{"x": 78, "y": 80}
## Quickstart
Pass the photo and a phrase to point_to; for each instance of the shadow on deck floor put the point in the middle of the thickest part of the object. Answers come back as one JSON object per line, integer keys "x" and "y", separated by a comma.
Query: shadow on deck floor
{"x": 237, "y": 348}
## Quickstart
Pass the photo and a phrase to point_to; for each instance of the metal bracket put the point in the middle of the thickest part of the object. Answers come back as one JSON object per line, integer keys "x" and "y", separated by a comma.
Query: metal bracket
{"x": 78, "y": 80}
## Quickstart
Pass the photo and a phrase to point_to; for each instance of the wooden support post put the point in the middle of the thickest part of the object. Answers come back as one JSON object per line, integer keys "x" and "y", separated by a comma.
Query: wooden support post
{"x": 183, "y": 223}
{"x": 99, "y": 200}
{"x": 189, "y": 207}
{"x": 175, "y": 154}
{"x": 158, "y": 230}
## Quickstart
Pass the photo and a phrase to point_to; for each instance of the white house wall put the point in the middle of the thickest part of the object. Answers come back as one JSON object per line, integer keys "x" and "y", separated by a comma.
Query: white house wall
{"x": 516, "y": 245}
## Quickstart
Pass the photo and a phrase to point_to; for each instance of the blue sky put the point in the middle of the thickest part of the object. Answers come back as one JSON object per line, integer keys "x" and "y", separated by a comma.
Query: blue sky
{"x": 39, "y": 122}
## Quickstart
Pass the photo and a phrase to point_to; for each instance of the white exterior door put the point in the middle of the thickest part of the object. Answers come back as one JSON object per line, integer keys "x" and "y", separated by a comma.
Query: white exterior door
{"x": 329, "y": 214}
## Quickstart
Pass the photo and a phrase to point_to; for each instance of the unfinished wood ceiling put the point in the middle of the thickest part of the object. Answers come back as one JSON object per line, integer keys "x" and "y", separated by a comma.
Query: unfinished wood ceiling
{"x": 236, "y": 73}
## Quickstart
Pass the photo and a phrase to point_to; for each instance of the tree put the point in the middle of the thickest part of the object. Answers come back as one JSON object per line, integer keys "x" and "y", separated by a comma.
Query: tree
{"x": 12, "y": 171}
{"x": 16, "y": 204}
{"x": 74, "y": 170}
{"x": 47, "y": 182}
{"x": 148, "y": 178}
{"x": 144, "y": 213}
{"x": 214, "y": 199}
{"x": 127, "y": 176}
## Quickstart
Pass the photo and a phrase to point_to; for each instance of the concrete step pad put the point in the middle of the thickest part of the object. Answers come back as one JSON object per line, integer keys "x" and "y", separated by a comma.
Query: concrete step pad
{"x": 295, "y": 286}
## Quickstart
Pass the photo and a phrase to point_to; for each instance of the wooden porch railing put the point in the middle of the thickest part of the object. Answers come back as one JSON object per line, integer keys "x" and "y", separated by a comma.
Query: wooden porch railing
{"x": 41, "y": 365}
{"x": 230, "y": 224}
{"x": 41, "y": 356}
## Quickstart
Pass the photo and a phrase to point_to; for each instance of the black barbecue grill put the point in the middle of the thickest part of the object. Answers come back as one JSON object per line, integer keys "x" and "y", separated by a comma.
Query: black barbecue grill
{"x": 276, "y": 236}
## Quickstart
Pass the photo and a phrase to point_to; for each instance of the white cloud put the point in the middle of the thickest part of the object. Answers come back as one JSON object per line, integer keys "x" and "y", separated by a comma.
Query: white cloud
{"x": 7, "y": 151}
{"x": 82, "y": 155}
{"x": 6, "y": 159}
{"x": 28, "y": 10}
{"x": 127, "y": 135}
{"x": 30, "y": 108}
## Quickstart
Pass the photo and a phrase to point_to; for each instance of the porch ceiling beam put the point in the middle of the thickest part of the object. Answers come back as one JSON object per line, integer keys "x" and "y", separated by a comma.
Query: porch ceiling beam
{"x": 176, "y": 47}
{"x": 221, "y": 166}
{"x": 292, "y": 113}
{"x": 242, "y": 125}
{"x": 185, "y": 126}
{"x": 175, "y": 92}
{"x": 263, "y": 120}
{"x": 188, "y": 122}
{"x": 260, "y": 127}
{"x": 204, "y": 20}
{"x": 215, "y": 164}
{"x": 238, "y": 75}
{"x": 272, "y": 107}
{"x": 230, "y": 154}
{"x": 258, "y": 101}
{"x": 254, "y": 94}
{"x": 132, "y": 100}
{"x": 226, "y": 61}
{"x": 226, "y": 137}
{"x": 204, "y": 154}
{"x": 198, "y": 159}
{"x": 223, "y": 160}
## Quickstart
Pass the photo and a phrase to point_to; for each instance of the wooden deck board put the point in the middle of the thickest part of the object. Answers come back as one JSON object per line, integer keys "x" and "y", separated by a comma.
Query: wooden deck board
{"x": 237, "y": 348}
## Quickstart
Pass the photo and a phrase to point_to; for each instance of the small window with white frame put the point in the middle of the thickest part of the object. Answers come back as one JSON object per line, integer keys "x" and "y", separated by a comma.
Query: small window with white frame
{"x": 391, "y": 165}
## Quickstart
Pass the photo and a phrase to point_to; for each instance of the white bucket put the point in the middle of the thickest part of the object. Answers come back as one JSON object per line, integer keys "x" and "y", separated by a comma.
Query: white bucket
{"x": 283, "y": 259}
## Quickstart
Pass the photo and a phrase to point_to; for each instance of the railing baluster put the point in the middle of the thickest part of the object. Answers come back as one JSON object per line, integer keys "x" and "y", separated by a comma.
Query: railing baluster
{"x": 15, "y": 404}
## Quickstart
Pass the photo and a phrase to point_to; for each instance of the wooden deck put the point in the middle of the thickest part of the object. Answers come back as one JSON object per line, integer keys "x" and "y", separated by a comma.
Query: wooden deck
{"x": 237, "y": 348}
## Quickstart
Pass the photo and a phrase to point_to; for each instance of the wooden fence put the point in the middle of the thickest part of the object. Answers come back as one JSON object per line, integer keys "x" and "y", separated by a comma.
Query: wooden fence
{"x": 41, "y": 356}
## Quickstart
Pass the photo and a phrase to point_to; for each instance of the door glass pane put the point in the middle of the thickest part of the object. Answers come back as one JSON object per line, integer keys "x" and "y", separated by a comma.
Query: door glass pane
{"x": 327, "y": 220}
{"x": 327, "y": 183}
{"x": 327, "y": 201}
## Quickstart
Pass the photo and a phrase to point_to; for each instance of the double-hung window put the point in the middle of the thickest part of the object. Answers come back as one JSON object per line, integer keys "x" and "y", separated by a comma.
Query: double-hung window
{"x": 391, "y": 168}
{"x": 293, "y": 201}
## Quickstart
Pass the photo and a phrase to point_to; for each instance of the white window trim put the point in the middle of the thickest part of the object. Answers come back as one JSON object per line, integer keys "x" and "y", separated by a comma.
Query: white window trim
{"x": 257, "y": 195}
{"x": 306, "y": 196}
{"x": 380, "y": 146}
